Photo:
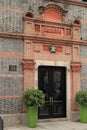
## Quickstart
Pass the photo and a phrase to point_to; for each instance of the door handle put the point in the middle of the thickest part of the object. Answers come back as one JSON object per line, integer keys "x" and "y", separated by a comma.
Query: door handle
{"x": 52, "y": 100}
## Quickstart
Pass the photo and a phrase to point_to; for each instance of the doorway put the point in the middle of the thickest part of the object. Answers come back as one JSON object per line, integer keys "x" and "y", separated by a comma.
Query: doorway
{"x": 52, "y": 81}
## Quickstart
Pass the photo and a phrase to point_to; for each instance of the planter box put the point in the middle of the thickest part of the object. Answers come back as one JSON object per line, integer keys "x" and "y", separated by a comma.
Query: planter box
{"x": 32, "y": 116}
{"x": 83, "y": 113}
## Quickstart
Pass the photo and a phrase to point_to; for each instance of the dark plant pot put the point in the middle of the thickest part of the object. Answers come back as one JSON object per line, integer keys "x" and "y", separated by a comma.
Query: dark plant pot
{"x": 32, "y": 116}
{"x": 83, "y": 113}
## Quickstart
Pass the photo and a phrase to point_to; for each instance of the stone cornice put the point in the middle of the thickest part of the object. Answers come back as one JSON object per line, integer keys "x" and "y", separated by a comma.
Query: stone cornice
{"x": 38, "y": 39}
{"x": 11, "y": 35}
{"x": 41, "y": 39}
{"x": 70, "y": 2}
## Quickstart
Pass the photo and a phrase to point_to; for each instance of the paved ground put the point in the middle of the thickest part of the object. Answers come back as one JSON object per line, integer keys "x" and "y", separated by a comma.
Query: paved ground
{"x": 61, "y": 125}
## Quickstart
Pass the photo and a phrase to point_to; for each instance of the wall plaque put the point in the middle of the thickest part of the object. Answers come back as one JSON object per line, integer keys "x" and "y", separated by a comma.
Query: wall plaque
{"x": 12, "y": 68}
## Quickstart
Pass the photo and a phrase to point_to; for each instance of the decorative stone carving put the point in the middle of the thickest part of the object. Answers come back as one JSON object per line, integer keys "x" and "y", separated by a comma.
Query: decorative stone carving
{"x": 50, "y": 29}
{"x": 58, "y": 31}
{"x": 37, "y": 27}
{"x": 76, "y": 67}
{"x": 54, "y": 25}
{"x": 28, "y": 64}
{"x": 52, "y": 11}
{"x": 77, "y": 21}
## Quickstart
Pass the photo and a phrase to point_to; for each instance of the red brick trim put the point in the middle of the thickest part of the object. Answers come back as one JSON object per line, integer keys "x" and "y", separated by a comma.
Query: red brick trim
{"x": 11, "y": 75}
{"x": 10, "y": 55}
{"x": 13, "y": 10}
{"x": 8, "y": 96}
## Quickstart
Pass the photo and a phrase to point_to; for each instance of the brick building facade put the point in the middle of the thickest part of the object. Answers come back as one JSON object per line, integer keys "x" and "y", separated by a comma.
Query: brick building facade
{"x": 37, "y": 37}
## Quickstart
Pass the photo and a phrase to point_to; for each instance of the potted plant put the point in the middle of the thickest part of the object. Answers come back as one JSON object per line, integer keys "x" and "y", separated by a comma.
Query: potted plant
{"x": 81, "y": 99}
{"x": 32, "y": 99}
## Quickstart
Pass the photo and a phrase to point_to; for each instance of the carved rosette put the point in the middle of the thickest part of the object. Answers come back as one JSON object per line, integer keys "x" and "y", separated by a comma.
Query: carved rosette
{"x": 28, "y": 64}
{"x": 76, "y": 67}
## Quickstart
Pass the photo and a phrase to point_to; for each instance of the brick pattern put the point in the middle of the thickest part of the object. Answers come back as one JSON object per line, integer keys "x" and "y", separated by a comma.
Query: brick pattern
{"x": 78, "y": 12}
{"x": 11, "y": 21}
{"x": 21, "y": 4}
{"x": 11, "y": 86}
{"x": 84, "y": 84}
{"x": 4, "y": 66}
{"x": 11, "y": 82}
{"x": 11, "y": 45}
{"x": 10, "y": 106}
{"x": 84, "y": 69}
{"x": 83, "y": 55}
{"x": 83, "y": 51}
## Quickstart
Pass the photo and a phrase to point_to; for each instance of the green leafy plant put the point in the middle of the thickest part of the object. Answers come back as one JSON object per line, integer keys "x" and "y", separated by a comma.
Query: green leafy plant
{"x": 81, "y": 97}
{"x": 33, "y": 97}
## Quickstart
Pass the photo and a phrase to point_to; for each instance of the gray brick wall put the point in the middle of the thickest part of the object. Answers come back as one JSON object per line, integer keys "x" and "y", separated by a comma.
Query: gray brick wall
{"x": 83, "y": 51}
{"x": 21, "y": 4}
{"x": 84, "y": 84}
{"x": 11, "y": 21}
{"x": 11, "y": 45}
{"x": 4, "y": 66}
{"x": 77, "y": 12}
{"x": 83, "y": 75}
{"x": 10, "y": 106}
{"x": 11, "y": 85}
{"x": 83, "y": 54}
{"x": 84, "y": 69}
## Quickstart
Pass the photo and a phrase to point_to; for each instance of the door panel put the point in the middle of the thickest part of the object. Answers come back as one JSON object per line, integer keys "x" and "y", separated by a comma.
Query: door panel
{"x": 52, "y": 81}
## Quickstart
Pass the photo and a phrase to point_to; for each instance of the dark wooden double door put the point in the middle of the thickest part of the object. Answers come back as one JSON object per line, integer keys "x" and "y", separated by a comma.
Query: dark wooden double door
{"x": 52, "y": 81}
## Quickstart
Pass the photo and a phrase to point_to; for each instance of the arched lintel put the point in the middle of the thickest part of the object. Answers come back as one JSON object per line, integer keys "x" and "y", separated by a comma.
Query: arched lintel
{"x": 54, "y": 7}
{"x": 77, "y": 21}
{"x": 28, "y": 14}
{"x": 52, "y": 12}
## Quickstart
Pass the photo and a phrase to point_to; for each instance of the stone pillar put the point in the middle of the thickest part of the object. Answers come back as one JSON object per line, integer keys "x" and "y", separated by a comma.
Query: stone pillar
{"x": 75, "y": 82}
{"x": 76, "y": 29}
{"x": 28, "y": 66}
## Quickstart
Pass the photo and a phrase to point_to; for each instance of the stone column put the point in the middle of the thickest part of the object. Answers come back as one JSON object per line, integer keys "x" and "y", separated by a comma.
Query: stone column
{"x": 75, "y": 82}
{"x": 28, "y": 66}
